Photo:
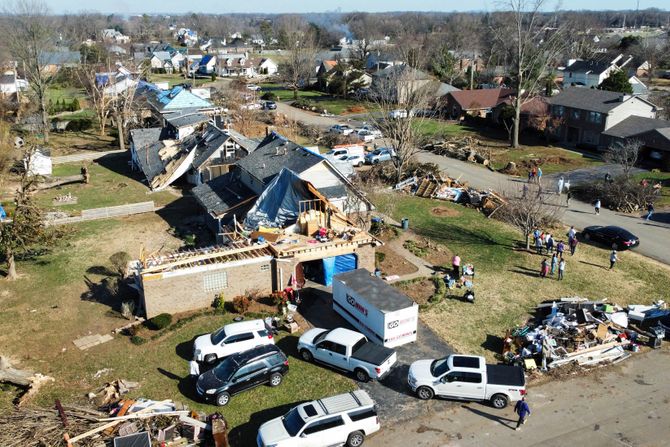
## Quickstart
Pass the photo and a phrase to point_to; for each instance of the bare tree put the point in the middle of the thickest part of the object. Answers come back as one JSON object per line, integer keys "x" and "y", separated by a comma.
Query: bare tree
{"x": 123, "y": 108}
{"x": 299, "y": 65}
{"x": 97, "y": 94}
{"x": 527, "y": 210}
{"x": 533, "y": 47}
{"x": 399, "y": 98}
{"x": 624, "y": 154}
{"x": 30, "y": 34}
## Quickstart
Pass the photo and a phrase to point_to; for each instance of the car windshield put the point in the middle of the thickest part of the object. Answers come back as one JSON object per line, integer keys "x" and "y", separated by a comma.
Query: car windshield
{"x": 224, "y": 370}
{"x": 377, "y": 152}
{"x": 320, "y": 337}
{"x": 293, "y": 422}
{"x": 439, "y": 367}
{"x": 218, "y": 336}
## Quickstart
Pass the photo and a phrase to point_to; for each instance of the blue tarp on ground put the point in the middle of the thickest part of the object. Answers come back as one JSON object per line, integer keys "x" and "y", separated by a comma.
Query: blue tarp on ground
{"x": 279, "y": 204}
{"x": 328, "y": 271}
{"x": 336, "y": 265}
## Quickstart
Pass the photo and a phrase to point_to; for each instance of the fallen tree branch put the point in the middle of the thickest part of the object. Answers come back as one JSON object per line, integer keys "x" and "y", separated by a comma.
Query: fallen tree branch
{"x": 22, "y": 378}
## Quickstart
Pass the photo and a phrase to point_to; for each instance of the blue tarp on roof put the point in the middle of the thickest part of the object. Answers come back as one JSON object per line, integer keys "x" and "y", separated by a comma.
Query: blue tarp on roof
{"x": 279, "y": 204}
{"x": 205, "y": 60}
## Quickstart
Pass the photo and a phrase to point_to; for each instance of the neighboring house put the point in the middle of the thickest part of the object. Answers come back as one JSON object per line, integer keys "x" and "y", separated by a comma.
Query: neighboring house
{"x": 186, "y": 36}
{"x": 325, "y": 67}
{"x": 162, "y": 103}
{"x": 185, "y": 123}
{"x": 52, "y": 61}
{"x": 477, "y": 103}
{"x": 200, "y": 157}
{"x": 116, "y": 82}
{"x": 236, "y": 65}
{"x": 398, "y": 82}
{"x": 112, "y": 35}
{"x": 377, "y": 60}
{"x": 535, "y": 112}
{"x": 162, "y": 60}
{"x": 639, "y": 88}
{"x": 585, "y": 113}
{"x": 10, "y": 84}
{"x": 267, "y": 67}
{"x": 592, "y": 72}
{"x": 207, "y": 65}
{"x": 160, "y": 46}
{"x": 654, "y": 134}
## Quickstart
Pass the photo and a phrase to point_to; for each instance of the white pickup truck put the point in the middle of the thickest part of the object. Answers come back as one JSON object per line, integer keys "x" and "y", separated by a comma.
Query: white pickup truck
{"x": 348, "y": 351}
{"x": 467, "y": 377}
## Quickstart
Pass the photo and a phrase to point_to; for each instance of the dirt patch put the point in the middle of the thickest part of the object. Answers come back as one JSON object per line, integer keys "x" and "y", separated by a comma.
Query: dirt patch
{"x": 436, "y": 254}
{"x": 441, "y": 211}
{"x": 420, "y": 291}
{"x": 391, "y": 263}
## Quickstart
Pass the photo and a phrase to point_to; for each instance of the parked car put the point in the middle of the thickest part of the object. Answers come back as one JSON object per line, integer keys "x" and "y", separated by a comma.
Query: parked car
{"x": 270, "y": 105}
{"x": 232, "y": 339}
{"x": 370, "y": 129}
{"x": 379, "y": 155}
{"x": 253, "y": 87}
{"x": 339, "y": 151}
{"x": 616, "y": 237}
{"x": 365, "y": 136}
{"x": 467, "y": 377}
{"x": 243, "y": 371}
{"x": 347, "y": 350}
{"x": 398, "y": 113}
{"x": 251, "y": 106}
{"x": 355, "y": 160}
{"x": 343, "y": 129}
{"x": 345, "y": 419}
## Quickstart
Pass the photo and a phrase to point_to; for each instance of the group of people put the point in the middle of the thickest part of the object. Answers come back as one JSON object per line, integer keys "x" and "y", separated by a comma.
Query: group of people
{"x": 545, "y": 241}
{"x": 535, "y": 175}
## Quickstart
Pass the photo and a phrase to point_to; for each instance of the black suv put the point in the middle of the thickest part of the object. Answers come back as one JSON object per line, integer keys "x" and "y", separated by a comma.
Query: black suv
{"x": 243, "y": 371}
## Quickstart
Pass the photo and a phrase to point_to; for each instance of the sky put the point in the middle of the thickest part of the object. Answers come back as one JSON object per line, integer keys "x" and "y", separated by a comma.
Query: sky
{"x": 298, "y": 6}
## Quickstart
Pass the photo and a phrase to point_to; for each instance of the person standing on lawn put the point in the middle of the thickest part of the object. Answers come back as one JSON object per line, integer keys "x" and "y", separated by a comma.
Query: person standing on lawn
{"x": 194, "y": 369}
{"x": 456, "y": 265}
{"x": 613, "y": 259}
{"x": 568, "y": 196}
{"x": 572, "y": 233}
{"x": 544, "y": 268}
{"x": 597, "y": 206}
{"x": 561, "y": 269}
{"x": 554, "y": 263}
{"x": 573, "y": 245}
{"x": 523, "y": 410}
{"x": 560, "y": 248}
{"x": 538, "y": 245}
{"x": 539, "y": 175}
{"x": 549, "y": 243}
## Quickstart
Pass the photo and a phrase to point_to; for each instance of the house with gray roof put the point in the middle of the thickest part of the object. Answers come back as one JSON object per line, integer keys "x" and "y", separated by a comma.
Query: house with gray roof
{"x": 654, "y": 134}
{"x": 178, "y": 100}
{"x": 580, "y": 115}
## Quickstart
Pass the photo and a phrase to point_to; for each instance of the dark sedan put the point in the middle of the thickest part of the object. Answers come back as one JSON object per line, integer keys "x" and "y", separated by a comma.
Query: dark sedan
{"x": 614, "y": 237}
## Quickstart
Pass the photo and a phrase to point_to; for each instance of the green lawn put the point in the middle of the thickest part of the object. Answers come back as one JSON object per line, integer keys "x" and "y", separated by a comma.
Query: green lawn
{"x": 554, "y": 159}
{"x": 664, "y": 179}
{"x": 507, "y": 284}
{"x": 177, "y": 78}
{"x": 67, "y": 94}
{"x": 334, "y": 105}
{"x": 112, "y": 183}
{"x": 438, "y": 129}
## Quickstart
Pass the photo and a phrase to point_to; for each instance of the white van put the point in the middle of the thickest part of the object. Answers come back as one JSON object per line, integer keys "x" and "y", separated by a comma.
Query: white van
{"x": 346, "y": 149}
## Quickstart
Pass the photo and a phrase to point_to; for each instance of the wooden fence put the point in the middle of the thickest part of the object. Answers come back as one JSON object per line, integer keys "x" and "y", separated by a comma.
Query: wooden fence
{"x": 107, "y": 212}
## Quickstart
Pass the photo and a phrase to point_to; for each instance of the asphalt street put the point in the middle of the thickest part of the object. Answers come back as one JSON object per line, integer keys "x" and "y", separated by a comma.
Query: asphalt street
{"x": 627, "y": 404}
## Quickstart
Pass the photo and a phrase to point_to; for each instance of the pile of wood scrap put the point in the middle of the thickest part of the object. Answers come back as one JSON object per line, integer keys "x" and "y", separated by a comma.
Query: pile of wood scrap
{"x": 28, "y": 380}
{"x": 150, "y": 422}
{"x": 111, "y": 392}
{"x": 577, "y": 331}
{"x": 466, "y": 148}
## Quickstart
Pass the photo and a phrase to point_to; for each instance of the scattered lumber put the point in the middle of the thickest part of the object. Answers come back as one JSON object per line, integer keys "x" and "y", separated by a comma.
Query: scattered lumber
{"x": 25, "y": 379}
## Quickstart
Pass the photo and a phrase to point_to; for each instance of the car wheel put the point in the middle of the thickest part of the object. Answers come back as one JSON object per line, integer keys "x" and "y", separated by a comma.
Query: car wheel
{"x": 425, "y": 393}
{"x": 210, "y": 358}
{"x": 499, "y": 401}
{"x": 355, "y": 439}
{"x": 276, "y": 379}
{"x": 361, "y": 375}
{"x": 375, "y": 162}
{"x": 306, "y": 355}
{"x": 222, "y": 399}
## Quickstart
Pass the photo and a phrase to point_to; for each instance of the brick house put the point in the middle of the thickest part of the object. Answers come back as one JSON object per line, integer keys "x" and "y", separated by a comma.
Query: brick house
{"x": 583, "y": 114}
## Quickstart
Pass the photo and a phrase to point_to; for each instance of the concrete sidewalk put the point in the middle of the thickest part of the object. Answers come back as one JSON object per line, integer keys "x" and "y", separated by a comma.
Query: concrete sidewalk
{"x": 654, "y": 235}
{"x": 623, "y": 405}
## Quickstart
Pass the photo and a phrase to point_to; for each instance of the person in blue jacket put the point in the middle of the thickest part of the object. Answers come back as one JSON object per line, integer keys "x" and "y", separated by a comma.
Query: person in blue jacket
{"x": 523, "y": 410}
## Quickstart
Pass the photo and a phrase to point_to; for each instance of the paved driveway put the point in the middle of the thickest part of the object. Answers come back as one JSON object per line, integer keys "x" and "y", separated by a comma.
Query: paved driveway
{"x": 393, "y": 397}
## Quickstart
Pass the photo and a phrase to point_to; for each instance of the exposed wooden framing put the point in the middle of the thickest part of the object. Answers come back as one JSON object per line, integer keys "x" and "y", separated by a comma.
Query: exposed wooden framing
{"x": 197, "y": 258}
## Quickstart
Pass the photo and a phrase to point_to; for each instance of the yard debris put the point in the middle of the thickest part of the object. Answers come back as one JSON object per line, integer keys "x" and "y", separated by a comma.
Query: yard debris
{"x": 28, "y": 380}
{"x": 576, "y": 331}
{"x": 112, "y": 391}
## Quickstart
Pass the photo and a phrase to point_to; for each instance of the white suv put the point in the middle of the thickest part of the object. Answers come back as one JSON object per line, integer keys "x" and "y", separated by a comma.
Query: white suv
{"x": 345, "y": 419}
{"x": 232, "y": 339}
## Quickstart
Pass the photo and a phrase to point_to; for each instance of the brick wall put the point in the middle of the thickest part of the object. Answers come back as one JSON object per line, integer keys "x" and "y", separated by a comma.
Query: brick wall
{"x": 193, "y": 289}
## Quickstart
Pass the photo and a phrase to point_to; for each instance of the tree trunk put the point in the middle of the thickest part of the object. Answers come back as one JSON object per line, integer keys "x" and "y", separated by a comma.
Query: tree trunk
{"x": 119, "y": 129}
{"x": 527, "y": 241}
{"x": 517, "y": 122}
{"x": 45, "y": 121}
{"x": 295, "y": 93}
{"x": 11, "y": 266}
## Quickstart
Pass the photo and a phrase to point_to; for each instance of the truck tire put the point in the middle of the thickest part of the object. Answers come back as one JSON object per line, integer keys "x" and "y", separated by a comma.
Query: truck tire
{"x": 210, "y": 358}
{"x": 222, "y": 399}
{"x": 499, "y": 401}
{"x": 361, "y": 375}
{"x": 425, "y": 393}
{"x": 306, "y": 355}
{"x": 355, "y": 439}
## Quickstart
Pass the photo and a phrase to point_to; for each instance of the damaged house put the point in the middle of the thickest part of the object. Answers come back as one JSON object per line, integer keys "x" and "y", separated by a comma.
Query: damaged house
{"x": 282, "y": 218}
{"x": 158, "y": 105}
{"x": 201, "y": 156}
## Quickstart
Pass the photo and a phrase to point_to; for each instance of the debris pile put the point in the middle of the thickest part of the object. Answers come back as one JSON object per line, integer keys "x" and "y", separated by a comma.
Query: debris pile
{"x": 452, "y": 190}
{"x": 466, "y": 148}
{"x": 576, "y": 331}
{"x": 137, "y": 423}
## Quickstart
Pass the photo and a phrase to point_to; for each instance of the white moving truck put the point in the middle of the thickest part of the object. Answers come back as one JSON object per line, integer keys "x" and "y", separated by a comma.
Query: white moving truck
{"x": 385, "y": 315}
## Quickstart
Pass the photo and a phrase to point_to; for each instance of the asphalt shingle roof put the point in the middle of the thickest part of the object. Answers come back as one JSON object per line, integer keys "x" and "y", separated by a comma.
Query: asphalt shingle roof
{"x": 589, "y": 66}
{"x": 485, "y": 98}
{"x": 589, "y": 99}
{"x": 264, "y": 163}
{"x": 635, "y": 125}
{"x": 60, "y": 58}
{"x": 148, "y": 136}
{"x": 222, "y": 193}
{"x": 186, "y": 119}
{"x": 149, "y": 159}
